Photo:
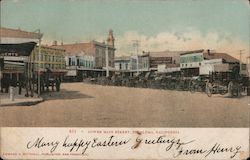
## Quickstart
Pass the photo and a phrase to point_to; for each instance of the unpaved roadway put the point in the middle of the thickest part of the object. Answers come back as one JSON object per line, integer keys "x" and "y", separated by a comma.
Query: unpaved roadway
{"x": 84, "y": 105}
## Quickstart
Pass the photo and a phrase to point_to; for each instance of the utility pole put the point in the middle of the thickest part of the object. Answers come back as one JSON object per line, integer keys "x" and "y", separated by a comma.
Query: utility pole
{"x": 136, "y": 45}
{"x": 241, "y": 59}
{"x": 39, "y": 63}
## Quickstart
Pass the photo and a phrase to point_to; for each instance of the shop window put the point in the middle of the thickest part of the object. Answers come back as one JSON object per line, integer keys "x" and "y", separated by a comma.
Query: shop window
{"x": 70, "y": 62}
{"x": 78, "y": 62}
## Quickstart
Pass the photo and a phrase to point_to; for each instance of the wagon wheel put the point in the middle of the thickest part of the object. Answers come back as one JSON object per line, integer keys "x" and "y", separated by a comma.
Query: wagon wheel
{"x": 223, "y": 91}
{"x": 191, "y": 86}
{"x": 172, "y": 86}
{"x": 236, "y": 89}
{"x": 209, "y": 89}
{"x": 233, "y": 89}
{"x": 149, "y": 83}
{"x": 186, "y": 86}
{"x": 177, "y": 85}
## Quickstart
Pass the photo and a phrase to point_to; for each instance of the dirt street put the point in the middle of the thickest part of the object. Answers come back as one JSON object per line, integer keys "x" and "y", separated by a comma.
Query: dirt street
{"x": 84, "y": 105}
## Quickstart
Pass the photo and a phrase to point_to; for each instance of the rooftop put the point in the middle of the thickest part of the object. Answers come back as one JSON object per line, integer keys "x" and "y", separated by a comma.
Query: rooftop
{"x": 122, "y": 58}
{"x": 74, "y": 48}
{"x": 194, "y": 51}
{"x": 166, "y": 53}
{"x": 211, "y": 54}
{"x": 51, "y": 48}
{"x": 226, "y": 57}
{"x": 77, "y": 48}
{"x": 18, "y": 33}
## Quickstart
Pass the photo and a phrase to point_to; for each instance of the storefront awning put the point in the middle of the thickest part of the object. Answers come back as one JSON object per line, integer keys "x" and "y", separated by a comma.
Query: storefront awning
{"x": 18, "y": 49}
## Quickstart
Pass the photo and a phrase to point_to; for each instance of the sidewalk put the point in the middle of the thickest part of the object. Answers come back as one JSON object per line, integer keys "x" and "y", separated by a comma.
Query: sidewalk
{"x": 19, "y": 100}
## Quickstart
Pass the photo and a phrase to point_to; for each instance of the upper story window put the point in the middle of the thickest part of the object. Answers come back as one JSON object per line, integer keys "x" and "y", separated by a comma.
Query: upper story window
{"x": 69, "y": 61}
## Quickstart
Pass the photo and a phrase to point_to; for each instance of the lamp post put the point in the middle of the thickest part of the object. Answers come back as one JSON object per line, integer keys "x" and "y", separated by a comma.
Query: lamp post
{"x": 107, "y": 60}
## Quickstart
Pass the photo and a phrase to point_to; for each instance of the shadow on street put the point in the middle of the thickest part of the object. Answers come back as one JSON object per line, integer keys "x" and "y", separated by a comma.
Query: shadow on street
{"x": 64, "y": 94}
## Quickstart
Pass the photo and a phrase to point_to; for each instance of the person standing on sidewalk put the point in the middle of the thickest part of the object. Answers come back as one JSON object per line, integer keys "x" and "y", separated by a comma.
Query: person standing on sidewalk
{"x": 20, "y": 84}
{"x": 7, "y": 83}
{"x": 13, "y": 83}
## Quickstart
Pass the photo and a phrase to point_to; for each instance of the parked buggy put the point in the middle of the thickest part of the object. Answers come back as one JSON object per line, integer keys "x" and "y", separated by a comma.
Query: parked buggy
{"x": 197, "y": 84}
{"x": 175, "y": 80}
{"x": 226, "y": 82}
{"x": 49, "y": 79}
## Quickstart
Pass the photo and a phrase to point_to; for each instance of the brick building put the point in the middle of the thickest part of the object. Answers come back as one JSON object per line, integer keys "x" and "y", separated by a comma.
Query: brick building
{"x": 88, "y": 59}
{"x": 93, "y": 48}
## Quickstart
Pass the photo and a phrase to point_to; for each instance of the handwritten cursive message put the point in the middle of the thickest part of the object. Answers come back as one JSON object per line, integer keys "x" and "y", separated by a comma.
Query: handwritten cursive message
{"x": 178, "y": 146}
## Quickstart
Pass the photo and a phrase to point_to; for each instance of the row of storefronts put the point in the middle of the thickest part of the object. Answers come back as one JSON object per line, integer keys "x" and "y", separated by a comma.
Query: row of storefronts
{"x": 65, "y": 61}
{"x": 77, "y": 61}
{"x": 192, "y": 63}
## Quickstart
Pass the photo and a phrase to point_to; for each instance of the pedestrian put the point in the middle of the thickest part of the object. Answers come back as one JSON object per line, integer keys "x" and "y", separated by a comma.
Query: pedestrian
{"x": 7, "y": 84}
{"x": 58, "y": 83}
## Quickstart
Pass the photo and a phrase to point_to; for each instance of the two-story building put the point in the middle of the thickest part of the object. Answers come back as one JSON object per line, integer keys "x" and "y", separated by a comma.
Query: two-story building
{"x": 123, "y": 63}
{"x": 15, "y": 64}
{"x": 51, "y": 59}
{"x": 165, "y": 61}
{"x": 140, "y": 63}
{"x": 79, "y": 66}
{"x": 88, "y": 59}
{"x": 164, "y": 58}
{"x": 201, "y": 62}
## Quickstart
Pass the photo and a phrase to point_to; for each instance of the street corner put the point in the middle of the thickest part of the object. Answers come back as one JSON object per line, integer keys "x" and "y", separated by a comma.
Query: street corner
{"x": 26, "y": 101}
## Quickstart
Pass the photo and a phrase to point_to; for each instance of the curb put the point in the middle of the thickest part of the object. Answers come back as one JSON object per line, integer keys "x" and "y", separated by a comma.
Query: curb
{"x": 31, "y": 103}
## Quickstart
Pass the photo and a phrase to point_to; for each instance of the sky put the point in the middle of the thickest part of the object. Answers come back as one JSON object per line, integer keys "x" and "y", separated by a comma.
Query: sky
{"x": 221, "y": 25}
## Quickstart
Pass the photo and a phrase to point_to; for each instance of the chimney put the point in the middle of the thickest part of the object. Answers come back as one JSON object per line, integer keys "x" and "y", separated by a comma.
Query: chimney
{"x": 54, "y": 43}
{"x": 62, "y": 43}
